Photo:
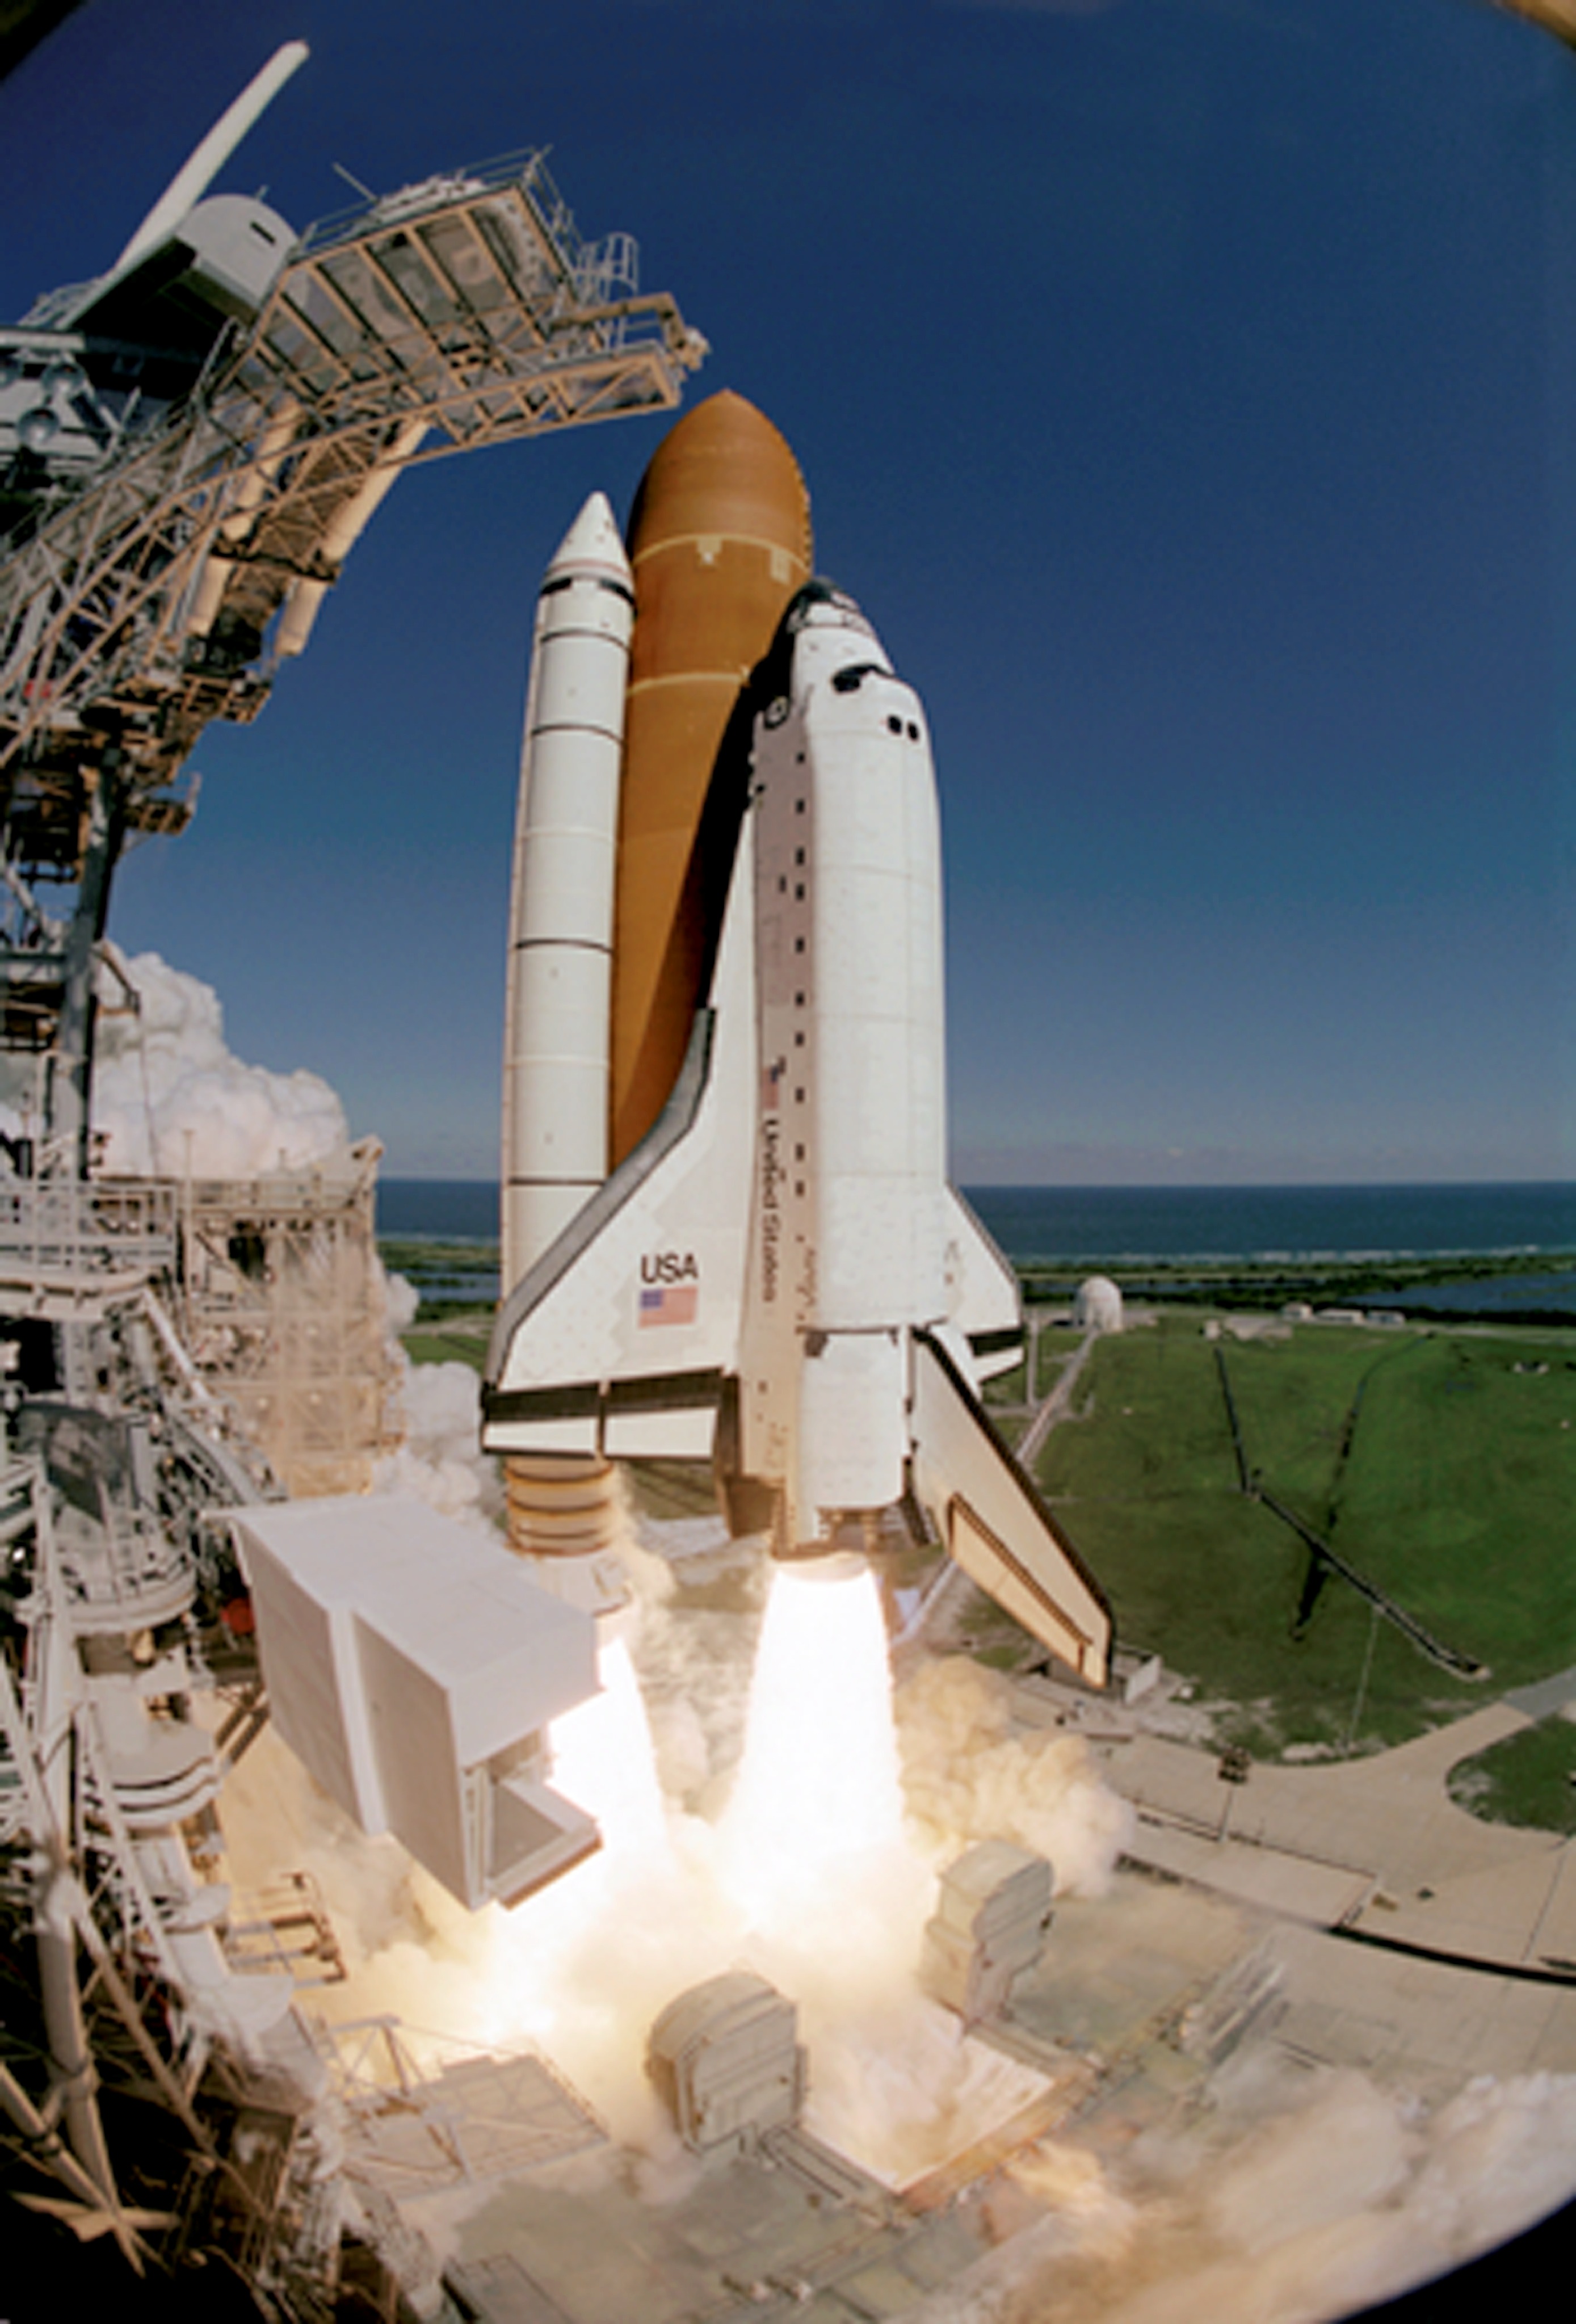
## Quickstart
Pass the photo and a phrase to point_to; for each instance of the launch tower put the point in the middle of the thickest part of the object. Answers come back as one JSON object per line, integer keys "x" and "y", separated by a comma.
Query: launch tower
{"x": 190, "y": 445}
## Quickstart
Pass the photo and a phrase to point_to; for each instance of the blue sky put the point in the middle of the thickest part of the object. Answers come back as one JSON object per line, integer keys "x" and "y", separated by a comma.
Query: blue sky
{"x": 1187, "y": 390}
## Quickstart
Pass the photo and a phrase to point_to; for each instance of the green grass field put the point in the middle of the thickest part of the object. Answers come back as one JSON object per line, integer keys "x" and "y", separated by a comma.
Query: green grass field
{"x": 1451, "y": 1490}
{"x": 432, "y": 1345}
{"x": 1528, "y": 1779}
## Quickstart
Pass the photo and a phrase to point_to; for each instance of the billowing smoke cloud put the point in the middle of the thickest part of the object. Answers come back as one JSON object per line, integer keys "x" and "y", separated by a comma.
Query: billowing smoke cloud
{"x": 440, "y": 1462}
{"x": 1300, "y": 2195}
{"x": 1287, "y": 2192}
{"x": 970, "y": 1774}
{"x": 1284, "y": 2191}
{"x": 585, "y": 1967}
{"x": 169, "y": 1096}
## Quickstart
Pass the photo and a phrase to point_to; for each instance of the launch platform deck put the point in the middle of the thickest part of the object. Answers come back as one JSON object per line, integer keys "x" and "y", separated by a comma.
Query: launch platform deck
{"x": 794, "y": 2231}
{"x": 1143, "y": 1993}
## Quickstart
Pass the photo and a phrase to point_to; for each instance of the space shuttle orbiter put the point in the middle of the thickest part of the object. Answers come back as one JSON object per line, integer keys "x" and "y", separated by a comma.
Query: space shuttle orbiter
{"x": 775, "y": 1274}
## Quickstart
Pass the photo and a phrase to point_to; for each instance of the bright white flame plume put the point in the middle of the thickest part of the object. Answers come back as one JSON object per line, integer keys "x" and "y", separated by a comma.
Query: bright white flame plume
{"x": 602, "y": 1759}
{"x": 819, "y": 1789}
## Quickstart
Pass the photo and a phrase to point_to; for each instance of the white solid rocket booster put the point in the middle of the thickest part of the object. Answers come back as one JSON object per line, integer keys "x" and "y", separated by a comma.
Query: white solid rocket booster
{"x": 561, "y": 939}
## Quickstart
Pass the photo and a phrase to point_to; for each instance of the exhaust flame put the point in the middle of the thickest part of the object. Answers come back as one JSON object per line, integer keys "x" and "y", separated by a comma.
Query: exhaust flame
{"x": 602, "y": 1759}
{"x": 818, "y": 1790}
{"x": 809, "y": 1878}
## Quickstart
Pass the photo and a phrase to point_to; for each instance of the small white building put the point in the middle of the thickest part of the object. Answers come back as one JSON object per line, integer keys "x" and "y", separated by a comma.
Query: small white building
{"x": 1098, "y": 1306}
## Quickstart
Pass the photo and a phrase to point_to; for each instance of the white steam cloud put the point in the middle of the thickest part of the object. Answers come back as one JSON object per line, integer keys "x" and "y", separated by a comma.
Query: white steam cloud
{"x": 584, "y": 1968}
{"x": 1285, "y": 2195}
{"x": 1288, "y": 2195}
{"x": 169, "y": 1096}
{"x": 440, "y": 1462}
{"x": 1301, "y": 2195}
{"x": 970, "y": 1774}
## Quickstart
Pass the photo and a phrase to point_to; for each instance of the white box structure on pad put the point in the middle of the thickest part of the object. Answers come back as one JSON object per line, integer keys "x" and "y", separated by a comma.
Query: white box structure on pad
{"x": 412, "y": 1667}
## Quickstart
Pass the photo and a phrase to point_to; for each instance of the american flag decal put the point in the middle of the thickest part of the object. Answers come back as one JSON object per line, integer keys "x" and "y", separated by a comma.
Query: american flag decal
{"x": 674, "y": 1303}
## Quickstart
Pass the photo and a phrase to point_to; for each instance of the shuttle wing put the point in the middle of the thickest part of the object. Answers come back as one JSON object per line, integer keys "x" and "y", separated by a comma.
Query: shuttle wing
{"x": 617, "y": 1340}
{"x": 993, "y": 1523}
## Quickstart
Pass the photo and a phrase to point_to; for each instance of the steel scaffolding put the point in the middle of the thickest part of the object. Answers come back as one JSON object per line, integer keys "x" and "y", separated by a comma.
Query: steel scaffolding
{"x": 166, "y": 557}
{"x": 282, "y": 1305}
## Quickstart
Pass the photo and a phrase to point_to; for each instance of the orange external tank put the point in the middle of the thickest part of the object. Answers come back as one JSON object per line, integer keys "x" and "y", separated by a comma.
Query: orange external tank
{"x": 719, "y": 541}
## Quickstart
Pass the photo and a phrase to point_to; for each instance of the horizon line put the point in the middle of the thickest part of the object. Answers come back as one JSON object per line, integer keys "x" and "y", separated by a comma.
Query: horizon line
{"x": 1101, "y": 1186}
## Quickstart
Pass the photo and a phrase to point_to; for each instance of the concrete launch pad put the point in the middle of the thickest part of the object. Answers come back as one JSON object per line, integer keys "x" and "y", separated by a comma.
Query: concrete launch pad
{"x": 1149, "y": 2000}
{"x": 1143, "y": 1995}
{"x": 793, "y": 2231}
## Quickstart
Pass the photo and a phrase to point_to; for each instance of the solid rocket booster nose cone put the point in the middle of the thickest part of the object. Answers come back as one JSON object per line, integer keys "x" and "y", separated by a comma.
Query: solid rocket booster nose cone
{"x": 719, "y": 541}
{"x": 593, "y": 544}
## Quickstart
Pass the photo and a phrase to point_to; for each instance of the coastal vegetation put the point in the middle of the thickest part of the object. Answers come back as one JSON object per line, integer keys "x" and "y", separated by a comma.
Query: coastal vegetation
{"x": 453, "y": 1277}
{"x": 1498, "y": 1286}
{"x": 465, "y": 1342}
{"x": 457, "y": 1285}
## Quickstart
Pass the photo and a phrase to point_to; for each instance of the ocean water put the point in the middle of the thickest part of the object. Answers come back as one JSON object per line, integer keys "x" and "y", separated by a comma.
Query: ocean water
{"x": 445, "y": 1210}
{"x": 1079, "y": 1227}
{"x": 1128, "y": 1224}
{"x": 1077, "y": 1223}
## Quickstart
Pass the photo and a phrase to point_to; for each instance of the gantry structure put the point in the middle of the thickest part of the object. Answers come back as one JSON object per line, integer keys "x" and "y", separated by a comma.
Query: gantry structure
{"x": 188, "y": 449}
{"x": 281, "y": 1305}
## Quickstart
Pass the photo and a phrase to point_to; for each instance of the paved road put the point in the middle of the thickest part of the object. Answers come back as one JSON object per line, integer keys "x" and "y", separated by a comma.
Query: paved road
{"x": 1376, "y": 1846}
{"x": 1054, "y": 1407}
